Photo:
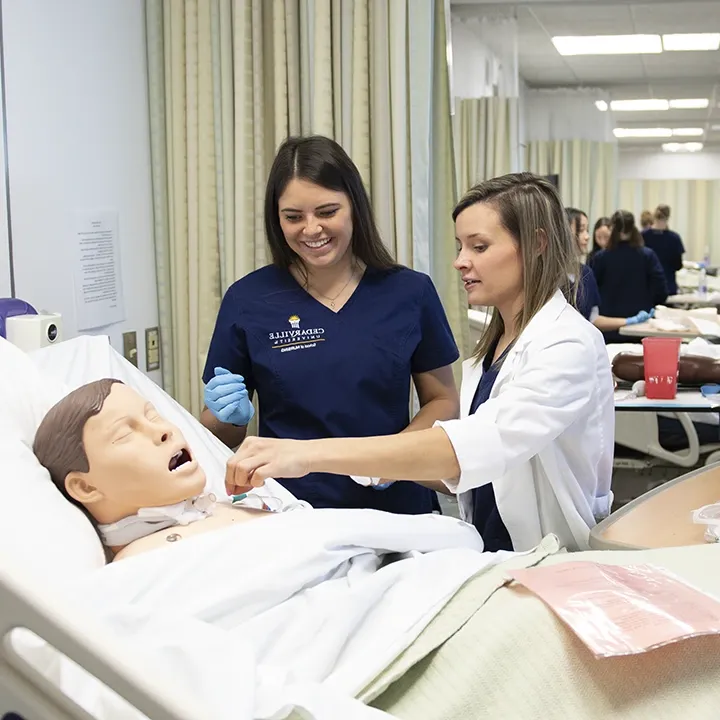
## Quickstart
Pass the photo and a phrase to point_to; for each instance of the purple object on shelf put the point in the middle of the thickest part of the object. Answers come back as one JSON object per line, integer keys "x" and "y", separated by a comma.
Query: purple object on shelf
{"x": 9, "y": 307}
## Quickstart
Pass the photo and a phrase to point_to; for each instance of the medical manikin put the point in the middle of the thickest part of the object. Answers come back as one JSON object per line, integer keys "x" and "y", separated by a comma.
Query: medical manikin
{"x": 692, "y": 369}
{"x": 131, "y": 471}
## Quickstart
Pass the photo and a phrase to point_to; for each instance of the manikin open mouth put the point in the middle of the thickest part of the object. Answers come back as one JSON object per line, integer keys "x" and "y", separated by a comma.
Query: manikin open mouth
{"x": 179, "y": 459}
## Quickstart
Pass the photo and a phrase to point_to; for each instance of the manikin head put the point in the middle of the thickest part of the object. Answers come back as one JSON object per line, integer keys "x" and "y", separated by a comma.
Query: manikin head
{"x": 110, "y": 453}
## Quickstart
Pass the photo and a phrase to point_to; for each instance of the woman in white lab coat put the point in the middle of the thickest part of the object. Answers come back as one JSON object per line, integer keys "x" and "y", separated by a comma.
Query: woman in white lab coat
{"x": 532, "y": 452}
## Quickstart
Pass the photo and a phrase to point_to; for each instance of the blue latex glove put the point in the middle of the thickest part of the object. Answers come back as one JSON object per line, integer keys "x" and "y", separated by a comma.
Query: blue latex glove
{"x": 641, "y": 317}
{"x": 227, "y": 398}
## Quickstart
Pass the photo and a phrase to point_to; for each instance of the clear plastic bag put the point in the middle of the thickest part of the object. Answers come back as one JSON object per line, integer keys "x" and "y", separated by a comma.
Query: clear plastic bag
{"x": 709, "y": 515}
{"x": 618, "y": 610}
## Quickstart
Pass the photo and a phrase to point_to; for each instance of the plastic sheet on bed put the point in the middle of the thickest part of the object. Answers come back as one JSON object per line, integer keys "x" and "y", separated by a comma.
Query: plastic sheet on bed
{"x": 623, "y": 610}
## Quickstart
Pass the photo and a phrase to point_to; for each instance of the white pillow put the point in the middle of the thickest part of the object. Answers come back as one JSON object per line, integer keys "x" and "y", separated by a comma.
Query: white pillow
{"x": 53, "y": 538}
{"x": 26, "y": 393}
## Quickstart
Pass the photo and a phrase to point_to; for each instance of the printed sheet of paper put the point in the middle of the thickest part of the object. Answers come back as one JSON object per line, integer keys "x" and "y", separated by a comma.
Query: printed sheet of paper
{"x": 99, "y": 297}
{"x": 622, "y": 610}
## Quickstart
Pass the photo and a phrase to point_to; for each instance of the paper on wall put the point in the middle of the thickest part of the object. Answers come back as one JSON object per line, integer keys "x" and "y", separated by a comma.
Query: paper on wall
{"x": 99, "y": 297}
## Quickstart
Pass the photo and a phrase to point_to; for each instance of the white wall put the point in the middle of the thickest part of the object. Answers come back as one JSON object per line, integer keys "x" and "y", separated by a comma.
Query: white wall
{"x": 654, "y": 165}
{"x": 78, "y": 139}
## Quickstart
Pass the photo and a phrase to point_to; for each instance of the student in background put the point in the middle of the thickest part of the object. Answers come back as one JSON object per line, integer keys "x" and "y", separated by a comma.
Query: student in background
{"x": 629, "y": 276}
{"x": 667, "y": 244}
{"x": 588, "y": 295}
{"x": 646, "y": 220}
{"x": 600, "y": 237}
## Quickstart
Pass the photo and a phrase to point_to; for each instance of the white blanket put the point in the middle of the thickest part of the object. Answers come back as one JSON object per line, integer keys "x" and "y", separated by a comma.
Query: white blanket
{"x": 299, "y": 610}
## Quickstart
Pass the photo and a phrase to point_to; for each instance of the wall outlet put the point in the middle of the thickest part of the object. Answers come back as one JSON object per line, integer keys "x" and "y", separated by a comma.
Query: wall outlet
{"x": 152, "y": 349}
{"x": 130, "y": 347}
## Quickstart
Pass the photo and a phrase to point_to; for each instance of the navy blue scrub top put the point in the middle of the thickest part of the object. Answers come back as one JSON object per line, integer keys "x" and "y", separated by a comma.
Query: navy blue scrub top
{"x": 669, "y": 248}
{"x": 630, "y": 279}
{"x": 588, "y": 295}
{"x": 486, "y": 516}
{"x": 321, "y": 374}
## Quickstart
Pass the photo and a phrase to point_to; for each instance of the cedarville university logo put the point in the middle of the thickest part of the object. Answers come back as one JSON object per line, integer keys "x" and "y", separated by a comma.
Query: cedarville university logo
{"x": 296, "y": 338}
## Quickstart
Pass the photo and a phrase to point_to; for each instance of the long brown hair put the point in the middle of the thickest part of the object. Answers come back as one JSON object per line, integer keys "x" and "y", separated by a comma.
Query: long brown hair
{"x": 322, "y": 161}
{"x": 531, "y": 210}
{"x": 623, "y": 223}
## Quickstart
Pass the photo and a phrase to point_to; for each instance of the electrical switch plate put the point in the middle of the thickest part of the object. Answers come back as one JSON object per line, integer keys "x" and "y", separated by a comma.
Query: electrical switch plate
{"x": 152, "y": 349}
{"x": 130, "y": 347}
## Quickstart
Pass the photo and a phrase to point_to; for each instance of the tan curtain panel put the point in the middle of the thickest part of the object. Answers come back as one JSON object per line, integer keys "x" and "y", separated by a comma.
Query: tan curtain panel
{"x": 587, "y": 170}
{"x": 485, "y": 131}
{"x": 694, "y": 206}
{"x": 228, "y": 81}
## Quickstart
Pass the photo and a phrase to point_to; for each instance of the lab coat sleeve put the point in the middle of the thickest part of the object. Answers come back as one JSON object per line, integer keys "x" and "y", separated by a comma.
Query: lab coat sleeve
{"x": 551, "y": 391}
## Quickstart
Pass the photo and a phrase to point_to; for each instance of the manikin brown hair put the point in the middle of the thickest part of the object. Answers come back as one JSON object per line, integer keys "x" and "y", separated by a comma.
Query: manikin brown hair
{"x": 58, "y": 443}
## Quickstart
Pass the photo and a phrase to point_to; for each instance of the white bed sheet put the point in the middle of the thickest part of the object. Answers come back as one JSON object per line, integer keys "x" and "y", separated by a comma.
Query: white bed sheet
{"x": 298, "y": 610}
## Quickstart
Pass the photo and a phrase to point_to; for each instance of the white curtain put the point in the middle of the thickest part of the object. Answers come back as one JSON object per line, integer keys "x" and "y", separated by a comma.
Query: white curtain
{"x": 587, "y": 172}
{"x": 485, "y": 139}
{"x": 694, "y": 205}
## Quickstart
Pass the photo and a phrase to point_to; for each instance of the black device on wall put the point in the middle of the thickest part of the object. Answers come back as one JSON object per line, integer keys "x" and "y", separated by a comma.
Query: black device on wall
{"x": 554, "y": 179}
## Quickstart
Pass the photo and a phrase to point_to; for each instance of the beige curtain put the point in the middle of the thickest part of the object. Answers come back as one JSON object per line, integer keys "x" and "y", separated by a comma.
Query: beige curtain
{"x": 587, "y": 170}
{"x": 485, "y": 132}
{"x": 695, "y": 210}
{"x": 228, "y": 81}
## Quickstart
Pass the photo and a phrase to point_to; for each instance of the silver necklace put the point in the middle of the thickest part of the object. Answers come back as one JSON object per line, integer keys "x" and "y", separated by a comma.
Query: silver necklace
{"x": 332, "y": 300}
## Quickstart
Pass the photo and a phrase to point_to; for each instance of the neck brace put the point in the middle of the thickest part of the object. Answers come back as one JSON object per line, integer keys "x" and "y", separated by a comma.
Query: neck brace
{"x": 149, "y": 520}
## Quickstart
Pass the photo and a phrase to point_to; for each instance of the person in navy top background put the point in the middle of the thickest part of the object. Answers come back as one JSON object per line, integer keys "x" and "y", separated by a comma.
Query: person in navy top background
{"x": 666, "y": 244}
{"x": 588, "y": 298}
{"x": 600, "y": 237}
{"x": 628, "y": 274}
{"x": 332, "y": 334}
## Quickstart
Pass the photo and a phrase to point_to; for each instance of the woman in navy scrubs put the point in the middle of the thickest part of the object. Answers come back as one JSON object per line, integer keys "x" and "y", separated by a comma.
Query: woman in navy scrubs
{"x": 666, "y": 244}
{"x": 628, "y": 274}
{"x": 332, "y": 333}
{"x": 588, "y": 294}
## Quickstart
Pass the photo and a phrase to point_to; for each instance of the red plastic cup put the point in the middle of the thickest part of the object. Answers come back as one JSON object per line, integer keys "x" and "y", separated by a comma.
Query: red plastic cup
{"x": 661, "y": 357}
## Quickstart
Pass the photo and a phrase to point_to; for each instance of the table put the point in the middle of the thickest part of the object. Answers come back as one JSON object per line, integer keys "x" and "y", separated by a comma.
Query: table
{"x": 646, "y": 330}
{"x": 662, "y": 517}
{"x": 693, "y": 299}
{"x": 685, "y": 401}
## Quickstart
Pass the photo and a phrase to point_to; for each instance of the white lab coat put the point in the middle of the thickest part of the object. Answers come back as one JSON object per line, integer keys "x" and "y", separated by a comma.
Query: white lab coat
{"x": 545, "y": 437}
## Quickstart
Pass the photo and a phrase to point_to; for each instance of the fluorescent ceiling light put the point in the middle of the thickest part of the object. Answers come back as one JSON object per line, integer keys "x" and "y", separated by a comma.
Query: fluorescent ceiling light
{"x": 690, "y": 104}
{"x": 687, "y": 132}
{"x": 638, "y": 105}
{"x": 715, "y": 127}
{"x": 607, "y": 44}
{"x": 642, "y": 132}
{"x": 691, "y": 41}
{"x": 601, "y": 105}
{"x": 682, "y": 147}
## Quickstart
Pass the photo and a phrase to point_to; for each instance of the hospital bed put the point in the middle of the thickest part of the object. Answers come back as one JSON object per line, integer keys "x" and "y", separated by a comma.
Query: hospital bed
{"x": 487, "y": 650}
